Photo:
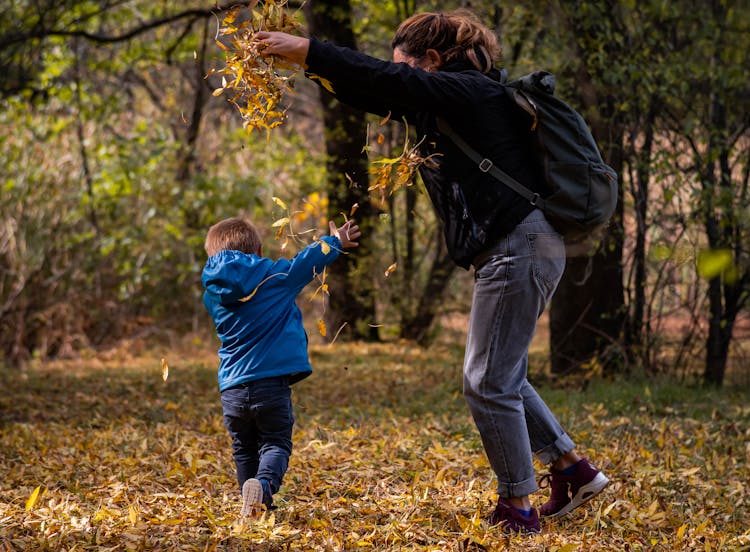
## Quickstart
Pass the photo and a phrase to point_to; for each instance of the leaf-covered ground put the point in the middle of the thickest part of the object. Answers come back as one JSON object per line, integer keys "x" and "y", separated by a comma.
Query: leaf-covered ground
{"x": 386, "y": 458}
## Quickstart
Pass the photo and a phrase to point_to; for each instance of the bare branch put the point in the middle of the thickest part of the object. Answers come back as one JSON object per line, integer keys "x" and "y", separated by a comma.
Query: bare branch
{"x": 18, "y": 38}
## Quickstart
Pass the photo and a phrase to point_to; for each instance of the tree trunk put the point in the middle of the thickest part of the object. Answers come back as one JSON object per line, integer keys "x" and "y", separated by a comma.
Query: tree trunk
{"x": 416, "y": 326}
{"x": 352, "y": 299}
{"x": 587, "y": 312}
{"x": 637, "y": 325}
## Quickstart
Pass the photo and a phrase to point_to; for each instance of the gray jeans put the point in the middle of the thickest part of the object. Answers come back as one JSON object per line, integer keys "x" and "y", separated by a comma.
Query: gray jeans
{"x": 514, "y": 280}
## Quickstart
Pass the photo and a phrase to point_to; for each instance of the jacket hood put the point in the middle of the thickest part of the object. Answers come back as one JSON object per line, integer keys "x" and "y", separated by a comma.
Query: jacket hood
{"x": 232, "y": 275}
{"x": 499, "y": 75}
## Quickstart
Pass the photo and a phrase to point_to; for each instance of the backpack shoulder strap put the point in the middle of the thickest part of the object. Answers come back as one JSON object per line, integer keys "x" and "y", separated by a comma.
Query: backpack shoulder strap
{"x": 487, "y": 166}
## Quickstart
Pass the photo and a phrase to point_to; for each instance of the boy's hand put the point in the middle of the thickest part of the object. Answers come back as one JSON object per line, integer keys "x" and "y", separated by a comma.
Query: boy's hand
{"x": 347, "y": 233}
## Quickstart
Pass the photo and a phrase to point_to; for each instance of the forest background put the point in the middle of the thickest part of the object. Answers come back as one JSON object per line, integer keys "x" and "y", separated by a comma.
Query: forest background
{"x": 117, "y": 157}
{"x": 119, "y": 151}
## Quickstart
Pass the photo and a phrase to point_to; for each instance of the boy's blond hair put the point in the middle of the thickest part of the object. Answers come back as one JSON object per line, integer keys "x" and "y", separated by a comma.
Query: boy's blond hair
{"x": 237, "y": 234}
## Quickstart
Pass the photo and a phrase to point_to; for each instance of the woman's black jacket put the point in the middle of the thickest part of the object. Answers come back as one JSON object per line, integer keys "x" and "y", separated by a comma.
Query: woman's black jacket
{"x": 476, "y": 210}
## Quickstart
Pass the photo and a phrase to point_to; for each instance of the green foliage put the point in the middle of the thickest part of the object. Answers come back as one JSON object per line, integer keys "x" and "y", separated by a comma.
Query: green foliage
{"x": 116, "y": 159}
{"x": 105, "y": 198}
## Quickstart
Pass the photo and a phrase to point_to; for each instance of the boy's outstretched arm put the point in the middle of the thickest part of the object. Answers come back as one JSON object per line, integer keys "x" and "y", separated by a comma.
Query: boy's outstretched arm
{"x": 347, "y": 233}
{"x": 312, "y": 259}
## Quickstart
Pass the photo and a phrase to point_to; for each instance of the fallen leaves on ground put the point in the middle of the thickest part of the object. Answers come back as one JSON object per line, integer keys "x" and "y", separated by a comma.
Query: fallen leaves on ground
{"x": 112, "y": 457}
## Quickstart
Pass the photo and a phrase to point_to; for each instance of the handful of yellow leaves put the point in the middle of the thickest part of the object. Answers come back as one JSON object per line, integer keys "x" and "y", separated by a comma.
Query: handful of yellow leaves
{"x": 257, "y": 81}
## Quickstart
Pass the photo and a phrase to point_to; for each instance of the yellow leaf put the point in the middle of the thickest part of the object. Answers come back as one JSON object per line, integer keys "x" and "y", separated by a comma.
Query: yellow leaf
{"x": 322, "y": 328}
{"x": 609, "y": 508}
{"x": 353, "y": 209}
{"x": 132, "y": 515}
{"x": 281, "y": 222}
{"x": 324, "y": 82}
{"x": 700, "y": 529}
{"x": 278, "y": 202}
{"x": 33, "y": 498}
{"x": 681, "y": 530}
{"x": 164, "y": 369}
{"x": 218, "y": 92}
{"x": 390, "y": 270}
{"x": 464, "y": 523}
{"x": 712, "y": 262}
{"x": 325, "y": 248}
{"x": 568, "y": 547}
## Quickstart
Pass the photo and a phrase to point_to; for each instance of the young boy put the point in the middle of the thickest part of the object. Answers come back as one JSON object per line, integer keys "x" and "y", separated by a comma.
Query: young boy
{"x": 263, "y": 345}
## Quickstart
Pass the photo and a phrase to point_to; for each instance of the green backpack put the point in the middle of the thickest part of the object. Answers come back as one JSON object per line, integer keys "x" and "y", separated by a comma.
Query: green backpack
{"x": 584, "y": 188}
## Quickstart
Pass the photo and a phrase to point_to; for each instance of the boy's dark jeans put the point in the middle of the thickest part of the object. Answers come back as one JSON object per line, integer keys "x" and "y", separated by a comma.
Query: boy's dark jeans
{"x": 258, "y": 416}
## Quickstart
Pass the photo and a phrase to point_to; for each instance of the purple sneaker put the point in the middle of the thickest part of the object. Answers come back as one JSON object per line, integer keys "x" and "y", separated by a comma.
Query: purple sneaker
{"x": 570, "y": 491}
{"x": 514, "y": 521}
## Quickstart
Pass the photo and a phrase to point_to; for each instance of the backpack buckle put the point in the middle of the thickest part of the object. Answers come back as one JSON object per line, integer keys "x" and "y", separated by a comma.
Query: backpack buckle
{"x": 485, "y": 165}
{"x": 534, "y": 199}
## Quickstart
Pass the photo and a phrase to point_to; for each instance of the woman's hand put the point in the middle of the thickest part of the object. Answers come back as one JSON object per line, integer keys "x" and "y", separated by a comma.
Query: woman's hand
{"x": 347, "y": 233}
{"x": 290, "y": 47}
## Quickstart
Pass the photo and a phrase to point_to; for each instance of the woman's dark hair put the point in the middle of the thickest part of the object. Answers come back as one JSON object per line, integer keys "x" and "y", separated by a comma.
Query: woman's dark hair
{"x": 457, "y": 36}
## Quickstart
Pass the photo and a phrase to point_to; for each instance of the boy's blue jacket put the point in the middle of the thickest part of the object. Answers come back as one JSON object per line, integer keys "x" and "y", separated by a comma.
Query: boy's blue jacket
{"x": 252, "y": 302}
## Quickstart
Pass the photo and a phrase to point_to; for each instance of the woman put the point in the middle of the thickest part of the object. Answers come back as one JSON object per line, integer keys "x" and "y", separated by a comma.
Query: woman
{"x": 443, "y": 67}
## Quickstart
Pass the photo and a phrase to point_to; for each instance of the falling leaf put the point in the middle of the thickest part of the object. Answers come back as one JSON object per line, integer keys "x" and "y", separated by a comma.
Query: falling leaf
{"x": 322, "y": 327}
{"x": 324, "y": 247}
{"x": 390, "y": 270}
{"x": 218, "y": 92}
{"x": 353, "y": 209}
{"x": 337, "y": 335}
{"x": 281, "y": 222}
{"x": 252, "y": 293}
{"x": 712, "y": 262}
{"x": 164, "y": 369}
{"x": 33, "y": 498}
{"x": 278, "y": 202}
{"x": 324, "y": 82}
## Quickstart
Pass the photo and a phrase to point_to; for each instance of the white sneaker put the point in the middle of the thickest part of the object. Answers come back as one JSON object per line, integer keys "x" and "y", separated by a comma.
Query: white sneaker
{"x": 252, "y": 498}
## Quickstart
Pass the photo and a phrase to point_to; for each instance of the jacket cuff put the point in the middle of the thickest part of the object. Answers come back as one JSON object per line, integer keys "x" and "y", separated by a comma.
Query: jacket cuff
{"x": 314, "y": 55}
{"x": 333, "y": 241}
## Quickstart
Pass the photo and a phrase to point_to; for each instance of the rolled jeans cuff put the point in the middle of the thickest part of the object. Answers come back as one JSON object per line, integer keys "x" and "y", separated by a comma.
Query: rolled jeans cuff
{"x": 551, "y": 453}
{"x": 522, "y": 488}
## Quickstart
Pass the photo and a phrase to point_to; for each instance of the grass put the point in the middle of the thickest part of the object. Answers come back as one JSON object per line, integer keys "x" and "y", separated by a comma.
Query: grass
{"x": 386, "y": 458}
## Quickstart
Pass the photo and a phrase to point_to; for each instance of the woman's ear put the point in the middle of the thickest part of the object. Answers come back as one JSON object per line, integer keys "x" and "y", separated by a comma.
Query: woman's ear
{"x": 434, "y": 60}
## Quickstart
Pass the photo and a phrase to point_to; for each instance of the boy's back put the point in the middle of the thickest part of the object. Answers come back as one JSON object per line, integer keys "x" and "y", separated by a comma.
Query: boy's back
{"x": 252, "y": 300}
